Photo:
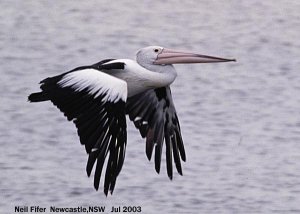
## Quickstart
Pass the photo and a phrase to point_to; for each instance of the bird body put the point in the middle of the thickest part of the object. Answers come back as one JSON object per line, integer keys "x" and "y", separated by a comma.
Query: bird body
{"x": 97, "y": 98}
{"x": 139, "y": 78}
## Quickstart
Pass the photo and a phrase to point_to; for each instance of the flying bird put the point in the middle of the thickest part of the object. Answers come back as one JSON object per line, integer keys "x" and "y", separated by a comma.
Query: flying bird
{"x": 97, "y": 98}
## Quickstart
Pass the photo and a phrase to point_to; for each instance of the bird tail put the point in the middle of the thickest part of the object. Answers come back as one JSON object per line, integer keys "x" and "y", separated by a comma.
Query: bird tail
{"x": 38, "y": 97}
{"x": 48, "y": 87}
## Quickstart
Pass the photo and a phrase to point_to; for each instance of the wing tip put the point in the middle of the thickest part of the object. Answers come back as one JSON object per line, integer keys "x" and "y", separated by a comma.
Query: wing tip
{"x": 38, "y": 97}
{"x": 149, "y": 156}
{"x": 157, "y": 168}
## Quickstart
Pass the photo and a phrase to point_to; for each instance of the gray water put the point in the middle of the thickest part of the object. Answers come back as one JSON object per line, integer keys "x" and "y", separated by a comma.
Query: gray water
{"x": 240, "y": 121}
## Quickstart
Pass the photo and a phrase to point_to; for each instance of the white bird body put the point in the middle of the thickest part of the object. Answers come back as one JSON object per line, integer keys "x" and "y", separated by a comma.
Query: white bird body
{"x": 97, "y": 98}
{"x": 140, "y": 79}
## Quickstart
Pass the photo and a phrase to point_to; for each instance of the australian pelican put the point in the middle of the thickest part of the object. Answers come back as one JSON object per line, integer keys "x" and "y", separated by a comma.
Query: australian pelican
{"x": 97, "y": 97}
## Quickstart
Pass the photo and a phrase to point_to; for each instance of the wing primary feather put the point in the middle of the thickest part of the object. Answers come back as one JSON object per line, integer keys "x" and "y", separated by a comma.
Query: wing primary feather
{"x": 98, "y": 171}
{"x": 150, "y": 143}
{"x": 180, "y": 145}
{"x": 121, "y": 159}
{"x": 169, "y": 157}
{"x": 114, "y": 172}
{"x": 100, "y": 161}
{"x": 109, "y": 174}
{"x": 158, "y": 149}
{"x": 176, "y": 155}
{"x": 91, "y": 161}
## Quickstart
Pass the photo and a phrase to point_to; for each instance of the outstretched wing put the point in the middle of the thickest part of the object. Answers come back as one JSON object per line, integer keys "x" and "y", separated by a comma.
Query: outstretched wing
{"x": 95, "y": 102}
{"x": 154, "y": 114}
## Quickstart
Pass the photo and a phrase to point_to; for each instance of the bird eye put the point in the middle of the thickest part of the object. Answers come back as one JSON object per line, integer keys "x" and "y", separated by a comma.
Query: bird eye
{"x": 156, "y": 50}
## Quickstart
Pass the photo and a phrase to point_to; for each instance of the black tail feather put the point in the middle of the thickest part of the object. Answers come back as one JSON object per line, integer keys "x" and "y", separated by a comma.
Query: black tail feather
{"x": 48, "y": 87}
{"x": 38, "y": 97}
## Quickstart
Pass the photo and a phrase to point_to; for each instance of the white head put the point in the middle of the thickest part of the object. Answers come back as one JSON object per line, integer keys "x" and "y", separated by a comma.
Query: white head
{"x": 147, "y": 56}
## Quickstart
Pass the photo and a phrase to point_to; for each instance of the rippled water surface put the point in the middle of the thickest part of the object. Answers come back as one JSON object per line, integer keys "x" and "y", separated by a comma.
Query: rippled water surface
{"x": 240, "y": 121}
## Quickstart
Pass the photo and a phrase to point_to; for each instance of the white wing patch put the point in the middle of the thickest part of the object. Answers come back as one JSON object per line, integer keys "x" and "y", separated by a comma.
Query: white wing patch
{"x": 97, "y": 83}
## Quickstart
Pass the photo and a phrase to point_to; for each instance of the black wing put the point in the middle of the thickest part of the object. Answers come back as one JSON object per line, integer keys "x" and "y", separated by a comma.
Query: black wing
{"x": 95, "y": 102}
{"x": 154, "y": 114}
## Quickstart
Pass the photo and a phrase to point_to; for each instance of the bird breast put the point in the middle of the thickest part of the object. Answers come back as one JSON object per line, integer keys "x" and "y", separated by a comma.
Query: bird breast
{"x": 140, "y": 79}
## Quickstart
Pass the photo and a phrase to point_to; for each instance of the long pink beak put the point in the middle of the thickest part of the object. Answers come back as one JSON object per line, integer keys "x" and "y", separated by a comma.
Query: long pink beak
{"x": 168, "y": 56}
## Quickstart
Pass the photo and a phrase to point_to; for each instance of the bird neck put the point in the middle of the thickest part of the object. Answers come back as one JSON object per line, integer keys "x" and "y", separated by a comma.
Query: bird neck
{"x": 160, "y": 75}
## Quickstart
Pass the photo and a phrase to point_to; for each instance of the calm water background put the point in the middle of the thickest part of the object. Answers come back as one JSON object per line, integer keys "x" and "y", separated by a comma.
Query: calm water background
{"x": 240, "y": 121}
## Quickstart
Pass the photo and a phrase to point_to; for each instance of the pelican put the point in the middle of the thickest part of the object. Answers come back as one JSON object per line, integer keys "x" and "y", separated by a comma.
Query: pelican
{"x": 97, "y": 98}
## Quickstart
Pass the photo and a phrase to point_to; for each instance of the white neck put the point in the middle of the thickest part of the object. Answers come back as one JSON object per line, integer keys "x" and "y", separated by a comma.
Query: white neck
{"x": 143, "y": 77}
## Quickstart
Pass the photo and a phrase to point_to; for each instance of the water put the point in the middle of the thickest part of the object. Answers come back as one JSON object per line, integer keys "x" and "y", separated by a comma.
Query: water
{"x": 240, "y": 121}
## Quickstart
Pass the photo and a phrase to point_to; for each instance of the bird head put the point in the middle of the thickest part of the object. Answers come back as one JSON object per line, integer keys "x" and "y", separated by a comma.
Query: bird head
{"x": 157, "y": 55}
